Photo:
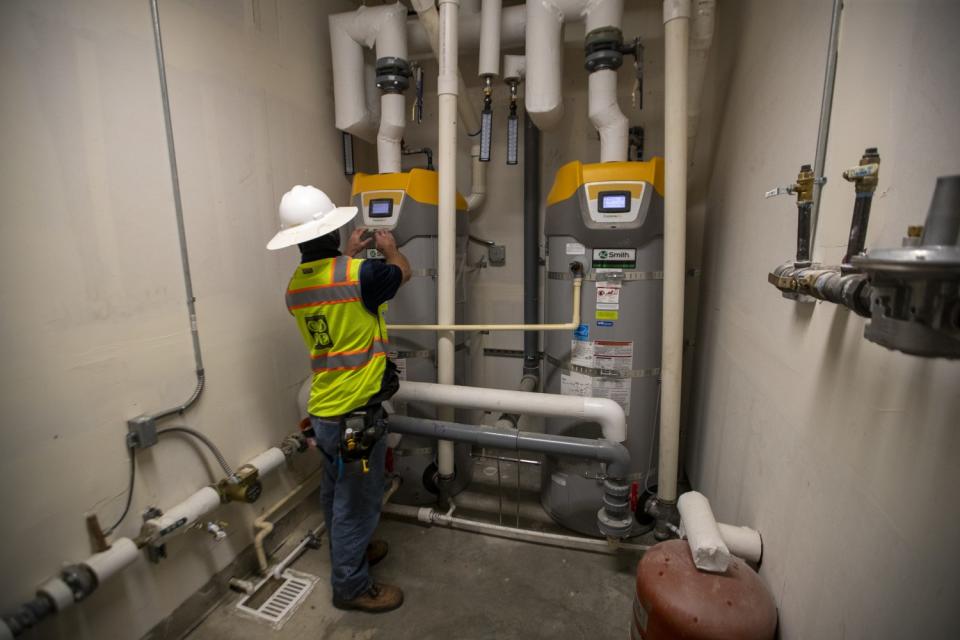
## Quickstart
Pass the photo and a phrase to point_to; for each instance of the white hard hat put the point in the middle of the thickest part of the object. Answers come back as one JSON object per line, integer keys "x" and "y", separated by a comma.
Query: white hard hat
{"x": 307, "y": 213}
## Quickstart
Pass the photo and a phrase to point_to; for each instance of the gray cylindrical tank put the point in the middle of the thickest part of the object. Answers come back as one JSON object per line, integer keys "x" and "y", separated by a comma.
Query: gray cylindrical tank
{"x": 616, "y": 351}
{"x": 414, "y": 225}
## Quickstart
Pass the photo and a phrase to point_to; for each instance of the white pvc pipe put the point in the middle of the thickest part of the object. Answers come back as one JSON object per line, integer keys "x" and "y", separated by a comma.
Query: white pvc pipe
{"x": 105, "y": 564}
{"x": 384, "y": 28}
{"x": 566, "y": 326}
{"x": 607, "y": 413}
{"x": 544, "y": 69}
{"x": 676, "y": 16}
{"x": 429, "y": 28}
{"x": 513, "y": 22}
{"x": 179, "y": 517}
{"x": 514, "y": 67}
{"x": 701, "y": 38}
{"x": 490, "y": 17}
{"x": 478, "y": 181}
{"x": 268, "y": 461}
{"x": 429, "y": 516}
{"x": 606, "y": 116}
{"x": 742, "y": 542}
{"x": 447, "y": 88}
{"x": 709, "y": 551}
{"x": 390, "y": 134}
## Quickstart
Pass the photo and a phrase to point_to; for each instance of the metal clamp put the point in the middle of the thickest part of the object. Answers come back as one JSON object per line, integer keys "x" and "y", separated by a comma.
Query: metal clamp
{"x": 567, "y": 367}
{"x": 625, "y": 276}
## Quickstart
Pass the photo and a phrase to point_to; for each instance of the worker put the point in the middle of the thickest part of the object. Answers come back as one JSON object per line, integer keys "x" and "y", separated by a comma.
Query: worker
{"x": 338, "y": 302}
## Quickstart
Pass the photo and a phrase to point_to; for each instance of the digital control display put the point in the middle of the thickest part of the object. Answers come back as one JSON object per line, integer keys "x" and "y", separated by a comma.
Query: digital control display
{"x": 381, "y": 208}
{"x": 614, "y": 202}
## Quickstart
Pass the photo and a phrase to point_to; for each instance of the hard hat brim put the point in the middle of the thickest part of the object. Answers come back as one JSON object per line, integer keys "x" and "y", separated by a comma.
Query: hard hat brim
{"x": 312, "y": 229}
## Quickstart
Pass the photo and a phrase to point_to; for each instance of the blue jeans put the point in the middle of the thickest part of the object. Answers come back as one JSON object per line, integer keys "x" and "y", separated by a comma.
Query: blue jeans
{"x": 351, "y": 502}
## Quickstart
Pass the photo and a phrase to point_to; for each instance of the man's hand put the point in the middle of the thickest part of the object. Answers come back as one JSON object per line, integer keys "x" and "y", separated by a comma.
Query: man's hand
{"x": 387, "y": 245}
{"x": 356, "y": 244}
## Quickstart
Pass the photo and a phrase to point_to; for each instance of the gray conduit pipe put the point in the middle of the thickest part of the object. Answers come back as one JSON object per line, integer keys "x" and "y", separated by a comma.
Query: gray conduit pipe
{"x": 614, "y": 518}
{"x": 181, "y": 228}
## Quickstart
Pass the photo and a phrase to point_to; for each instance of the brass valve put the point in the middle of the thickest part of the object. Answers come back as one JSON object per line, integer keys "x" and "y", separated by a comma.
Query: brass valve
{"x": 865, "y": 175}
{"x": 243, "y": 486}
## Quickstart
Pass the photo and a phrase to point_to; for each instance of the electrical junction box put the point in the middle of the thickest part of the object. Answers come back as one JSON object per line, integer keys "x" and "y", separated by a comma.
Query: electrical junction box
{"x": 608, "y": 217}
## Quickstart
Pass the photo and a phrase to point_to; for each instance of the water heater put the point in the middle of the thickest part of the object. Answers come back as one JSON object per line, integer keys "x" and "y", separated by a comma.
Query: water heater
{"x": 608, "y": 217}
{"x": 406, "y": 205}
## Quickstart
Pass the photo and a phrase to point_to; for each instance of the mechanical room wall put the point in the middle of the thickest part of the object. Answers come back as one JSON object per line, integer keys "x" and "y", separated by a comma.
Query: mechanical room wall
{"x": 835, "y": 448}
{"x": 94, "y": 328}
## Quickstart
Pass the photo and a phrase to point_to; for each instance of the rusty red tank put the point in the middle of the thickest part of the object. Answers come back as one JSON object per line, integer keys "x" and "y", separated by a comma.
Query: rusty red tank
{"x": 676, "y": 601}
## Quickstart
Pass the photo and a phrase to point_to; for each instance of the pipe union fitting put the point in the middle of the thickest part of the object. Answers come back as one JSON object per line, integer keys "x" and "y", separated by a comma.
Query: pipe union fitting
{"x": 393, "y": 75}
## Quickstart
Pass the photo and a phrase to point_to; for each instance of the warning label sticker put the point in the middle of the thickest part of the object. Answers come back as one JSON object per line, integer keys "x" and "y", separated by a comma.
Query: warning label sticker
{"x": 603, "y": 355}
{"x": 614, "y": 259}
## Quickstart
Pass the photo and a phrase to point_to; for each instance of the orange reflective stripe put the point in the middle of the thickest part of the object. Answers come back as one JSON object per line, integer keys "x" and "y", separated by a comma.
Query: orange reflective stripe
{"x": 342, "y": 360}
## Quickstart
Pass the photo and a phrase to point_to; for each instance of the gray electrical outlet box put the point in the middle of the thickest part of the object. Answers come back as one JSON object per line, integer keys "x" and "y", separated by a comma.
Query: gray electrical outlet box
{"x": 141, "y": 432}
{"x": 497, "y": 254}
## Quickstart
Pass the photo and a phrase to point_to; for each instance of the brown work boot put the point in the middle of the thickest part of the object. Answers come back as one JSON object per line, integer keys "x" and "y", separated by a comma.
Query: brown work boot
{"x": 379, "y": 598}
{"x": 377, "y": 551}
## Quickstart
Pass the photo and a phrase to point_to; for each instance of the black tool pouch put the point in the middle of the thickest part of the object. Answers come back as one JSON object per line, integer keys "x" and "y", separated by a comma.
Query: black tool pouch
{"x": 359, "y": 432}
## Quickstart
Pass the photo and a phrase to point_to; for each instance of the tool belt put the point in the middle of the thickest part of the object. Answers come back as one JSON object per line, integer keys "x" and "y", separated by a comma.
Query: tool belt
{"x": 359, "y": 431}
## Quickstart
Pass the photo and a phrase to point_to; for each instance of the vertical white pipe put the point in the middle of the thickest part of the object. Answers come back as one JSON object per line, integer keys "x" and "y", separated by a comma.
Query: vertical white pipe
{"x": 701, "y": 38}
{"x": 544, "y": 56}
{"x": 447, "y": 87}
{"x": 489, "y": 64}
{"x": 603, "y": 13}
{"x": 676, "y": 17}
{"x": 606, "y": 116}
{"x": 392, "y": 114}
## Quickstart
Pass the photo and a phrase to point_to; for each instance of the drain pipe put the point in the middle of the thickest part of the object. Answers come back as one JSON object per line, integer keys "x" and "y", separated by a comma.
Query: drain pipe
{"x": 447, "y": 90}
{"x": 614, "y": 518}
{"x": 676, "y": 18}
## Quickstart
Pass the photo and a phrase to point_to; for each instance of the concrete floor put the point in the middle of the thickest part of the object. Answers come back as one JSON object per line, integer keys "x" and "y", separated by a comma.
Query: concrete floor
{"x": 459, "y": 585}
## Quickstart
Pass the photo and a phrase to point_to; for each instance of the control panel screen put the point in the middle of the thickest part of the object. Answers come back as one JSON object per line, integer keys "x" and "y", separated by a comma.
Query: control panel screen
{"x": 381, "y": 208}
{"x": 614, "y": 202}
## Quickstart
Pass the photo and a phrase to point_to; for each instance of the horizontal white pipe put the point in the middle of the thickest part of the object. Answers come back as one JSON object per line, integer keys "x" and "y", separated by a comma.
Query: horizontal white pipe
{"x": 268, "y": 461}
{"x": 710, "y": 552}
{"x": 567, "y": 326}
{"x": 606, "y": 116}
{"x": 105, "y": 564}
{"x": 514, "y": 67}
{"x": 512, "y": 26}
{"x": 429, "y": 516}
{"x": 390, "y": 134}
{"x": 490, "y": 17}
{"x": 478, "y": 181}
{"x": 742, "y": 542}
{"x": 604, "y": 411}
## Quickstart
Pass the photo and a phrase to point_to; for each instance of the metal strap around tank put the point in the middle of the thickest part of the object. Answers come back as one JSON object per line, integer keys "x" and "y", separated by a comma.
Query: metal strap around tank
{"x": 421, "y": 353}
{"x": 567, "y": 367}
{"x": 628, "y": 276}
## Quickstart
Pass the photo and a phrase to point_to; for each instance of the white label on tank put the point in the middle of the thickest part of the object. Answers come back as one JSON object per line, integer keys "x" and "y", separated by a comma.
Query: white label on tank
{"x": 608, "y": 293}
{"x": 606, "y": 355}
{"x": 576, "y": 249}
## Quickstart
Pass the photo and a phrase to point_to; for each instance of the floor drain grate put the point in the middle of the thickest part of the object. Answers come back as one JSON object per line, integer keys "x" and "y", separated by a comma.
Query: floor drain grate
{"x": 277, "y": 609}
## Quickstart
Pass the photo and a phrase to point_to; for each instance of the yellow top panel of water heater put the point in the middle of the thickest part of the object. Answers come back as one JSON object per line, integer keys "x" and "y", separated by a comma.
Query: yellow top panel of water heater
{"x": 419, "y": 184}
{"x": 574, "y": 175}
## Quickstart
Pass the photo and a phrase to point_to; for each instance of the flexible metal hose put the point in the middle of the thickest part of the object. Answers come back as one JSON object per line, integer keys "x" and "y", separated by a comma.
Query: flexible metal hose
{"x": 202, "y": 438}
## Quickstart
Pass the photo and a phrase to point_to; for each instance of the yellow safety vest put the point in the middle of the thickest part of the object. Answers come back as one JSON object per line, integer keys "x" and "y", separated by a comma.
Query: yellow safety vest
{"x": 347, "y": 343}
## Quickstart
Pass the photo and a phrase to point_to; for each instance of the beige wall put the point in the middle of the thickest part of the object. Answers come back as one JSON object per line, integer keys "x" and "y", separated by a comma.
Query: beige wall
{"x": 844, "y": 454}
{"x": 94, "y": 329}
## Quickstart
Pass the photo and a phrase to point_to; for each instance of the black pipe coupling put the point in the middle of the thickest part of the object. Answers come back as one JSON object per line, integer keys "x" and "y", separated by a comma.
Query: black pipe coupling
{"x": 393, "y": 74}
{"x": 603, "y": 49}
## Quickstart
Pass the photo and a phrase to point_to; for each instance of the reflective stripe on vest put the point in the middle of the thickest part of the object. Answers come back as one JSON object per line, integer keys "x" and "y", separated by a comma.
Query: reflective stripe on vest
{"x": 346, "y": 343}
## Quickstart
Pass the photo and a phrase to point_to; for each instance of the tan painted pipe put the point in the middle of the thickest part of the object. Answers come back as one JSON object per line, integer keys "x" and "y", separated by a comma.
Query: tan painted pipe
{"x": 262, "y": 525}
{"x": 567, "y": 326}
